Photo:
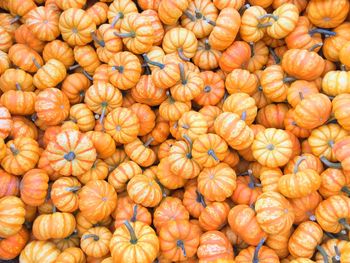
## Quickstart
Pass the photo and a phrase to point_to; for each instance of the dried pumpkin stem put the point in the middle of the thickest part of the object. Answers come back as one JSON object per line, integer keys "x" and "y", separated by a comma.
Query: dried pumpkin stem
{"x": 274, "y": 56}
{"x": 301, "y": 95}
{"x": 153, "y": 63}
{"x": 95, "y": 237}
{"x": 70, "y": 156}
{"x": 268, "y": 16}
{"x": 200, "y": 199}
{"x": 87, "y": 75}
{"x": 243, "y": 8}
{"x": 189, "y": 141}
{"x": 18, "y": 86}
{"x": 72, "y": 189}
{"x": 54, "y": 209}
{"x": 116, "y": 19}
{"x": 98, "y": 41}
{"x": 198, "y": 13}
{"x": 74, "y": 67}
{"x": 297, "y": 164}
{"x": 244, "y": 115}
{"x": 134, "y": 214}
{"x": 344, "y": 223}
{"x": 15, "y": 19}
{"x": 133, "y": 238}
{"x": 209, "y": 21}
{"x": 288, "y": 79}
{"x": 323, "y": 253}
{"x": 207, "y": 89}
{"x": 342, "y": 67}
{"x": 329, "y": 163}
{"x": 36, "y": 63}
{"x": 311, "y": 216}
{"x": 207, "y": 45}
{"x": 251, "y": 183}
{"x": 119, "y": 68}
{"x": 257, "y": 249}
{"x": 180, "y": 244}
{"x": 336, "y": 258}
{"x": 182, "y": 74}
{"x": 189, "y": 15}
{"x": 125, "y": 35}
{"x": 346, "y": 190}
{"x": 317, "y": 45}
{"x": 264, "y": 25}
{"x": 14, "y": 150}
{"x": 212, "y": 154}
{"x": 103, "y": 113}
{"x": 182, "y": 55}
{"x": 322, "y": 31}
{"x": 252, "y": 52}
{"x": 148, "y": 142}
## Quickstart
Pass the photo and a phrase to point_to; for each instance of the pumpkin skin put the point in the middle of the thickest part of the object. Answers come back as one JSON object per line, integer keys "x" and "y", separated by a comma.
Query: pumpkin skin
{"x": 330, "y": 219}
{"x": 120, "y": 176}
{"x": 82, "y": 116}
{"x": 333, "y": 44}
{"x": 63, "y": 194}
{"x": 124, "y": 237}
{"x": 95, "y": 242}
{"x": 166, "y": 177}
{"x": 118, "y": 10}
{"x": 217, "y": 183}
{"x": 247, "y": 111}
{"x": 279, "y": 243}
{"x": 71, "y": 153}
{"x": 329, "y": 247}
{"x": 97, "y": 193}
{"x": 251, "y": 30}
{"x": 9, "y": 184}
{"x": 214, "y": 246}
{"x": 313, "y": 111}
{"x": 304, "y": 239}
{"x": 274, "y": 83}
{"x": 306, "y": 88}
{"x": 13, "y": 79}
{"x": 45, "y": 226}
{"x": 52, "y": 106}
{"x": 60, "y": 51}
{"x": 22, "y": 154}
{"x": 304, "y": 207}
{"x": 235, "y": 56}
{"x": 158, "y": 30}
{"x": 194, "y": 201}
{"x": 214, "y": 216}
{"x": 71, "y": 254}
{"x": 265, "y": 255}
{"x": 140, "y": 153}
{"x": 76, "y": 27}
{"x": 14, "y": 101}
{"x": 269, "y": 178}
{"x": 40, "y": 251}
{"x": 336, "y": 83}
{"x": 6, "y": 122}
{"x": 333, "y": 182}
{"x": 12, "y": 246}
{"x": 242, "y": 221}
{"x": 340, "y": 150}
{"x": 87, "y": 58}
{"x": 274, "y": 213}
{"x": 98, "y": 12}
{"x": 240, "y": 80}
{"x": 319, "y": 15}
{"x": 22, "y": 56}
{"x": 246, "y": 191}
{"x": 179, "y": 239}
{"x": 12, "y": 214}
{"x": 272, "y": 115}
{"x": 34, "y": 187}
{"x": 206, "y": 57}
{"x": 170, "y": 11}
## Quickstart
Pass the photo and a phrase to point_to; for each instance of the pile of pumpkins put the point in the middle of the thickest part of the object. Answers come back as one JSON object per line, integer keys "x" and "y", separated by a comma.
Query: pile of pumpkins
{"x": 175, "y": 131}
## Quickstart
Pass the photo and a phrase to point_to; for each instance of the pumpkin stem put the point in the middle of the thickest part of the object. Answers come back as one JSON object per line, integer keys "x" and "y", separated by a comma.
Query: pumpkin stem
{"x": 243, "y": 8}
{"x": 325, "y": 32}
{"x": 264, "y": 25}
{"x": 36, "y": 63}
{"x": 70, "y": 156}
{"x": 330, "y": 235}
{"x": 72, "y": 189}
{"x": 182, "y": 74}
{"x": 244, "y": 115}
{"x": 297, "y": 164}
{"x": 95, "y": 38}
{"x": 329, "y": 163}
{"x": 212, "y": 154}
{"x": 251, "y": 183}
{"x": 274, "y": 56}
{"x": 125, "y": 35}
{"x": 336, "y": 258}
{"x": 342, "y": 67}
{"x": 268, "y": 16}
{"x": 116, "y": 19}
{"x": 149, "y": 141}
{"x": 257, "y": 249}
{"x": 169, "y": 96}
{"x": 189, "y": 15}
{"x": 14, "y": 150}
{"x": 18, "y": 86}
{"x": 288, "y": 79}
{"x": 54, "y": 209}
{"x": 153, "y": 63}
{"x": 301, "y": 95}
{"x": 95, "y": 237}
{"x": 119, "y": 68}
{"x": 15, "y": 19}
{"x": 311, "y": 216}
{"x": 317, "y": 45}
{"x": 180, "y": 51}
{"x": 210, "y": 22}
{"x": 200, "y": 199}
{"x": 323, "y": 253}
{"x": 74, "y": 67}
{"x": 180, "y": 244}
{"x": 103, "y": 113}
{"x": 207, "y": 89}
{"x": 87, "y": 75}
{"x": 344, "y": 223}
{"x": 134, "y": 214}
{"x": 198, "y": 13}
{"x": 190, "y": 143}
{"x": 251, "y": 45}
{"x": 206, "y": 44}
{"x": 133, "y": 238}
{"x": 346, "y": 190}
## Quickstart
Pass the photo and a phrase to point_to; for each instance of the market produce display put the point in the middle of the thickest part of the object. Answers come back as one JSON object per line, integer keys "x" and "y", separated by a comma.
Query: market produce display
{"x": 144, "y": 131}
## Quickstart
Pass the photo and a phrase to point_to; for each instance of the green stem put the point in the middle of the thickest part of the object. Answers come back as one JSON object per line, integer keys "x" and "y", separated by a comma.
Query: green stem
{"x": 95, "y": 237}
{"x": 18, "y": 87}
{"x": 264, "y": 25}
{"x": 149, "y": 141}
{"x": 95, "y": 38}
{"x": 87, "y": 75}
{"x": 210, "y": 22}
{"x": 14, "y": 150}
{"x": 329, "y": 163}
{"x": 251, "y": 183}
{"x": 74, "y": 67}
{"x": 182, "y": 55}
{"x": 72, "y": 189}
{"x": 297, "y": 164}
{"x": 274, "y": 56}
{"x": 288, "y": 79}
{"x": 323, "y": 253}
{"x": 133, "y": 238}
{"x": 103, "y": 113}
{"x": 344, "y": 223}
{"x": 243, "y": 8}
{"x": 189, "y": 15}
{"x": 251, "y": 45}
{"x": 36, "y": 63}
{"x": 336, "y": 258}
{"x": 206, "y": 44}
{"x": 257, "y": 249}
{"x": 15, "y": 19}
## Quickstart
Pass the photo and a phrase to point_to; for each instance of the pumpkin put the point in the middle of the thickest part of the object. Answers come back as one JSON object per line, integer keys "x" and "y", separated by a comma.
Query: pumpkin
{"x": 12, "y": 214}
{"x": 179, "y": 239}
{"x": 94, "y": 194}
{"x": 269, "y": 178}
{"x": 146, "y": 92}
{"x": 76, "y": 26}
{"x": 22, "y": 154}
{"x": 340, "y": 151}
{"x": 166, "y": 177}
{"x": 247, "y": 112}
{"x": 71, "y": 254}
{"x": 241, "y": 80}
{"x": 24, "y": 36}
{"x": 206, "y": 57}
{"x": 5, "y": 40}
{"x": 306, "y": 237}
{"x": 34, "y": 187}
{"x": 16, "y": 79}
{"x": 304, "y": 207}
{"x": 259, "y": 253}
{"x": 335, "y": 83}
{"x": 120, "y": 176}
{"x": 242, "y": 221}
{"x": 274, "y": 213}
{"x": 122, "y": 244}
{"x": 217, "y": 183}
{"x": 272, "y": 115}
{"x": 71, "y": 153}
{"x": 37, "y": 250}
{"x": 140, "y": 153}
{"x": 19, "y": 102}
{"x": 333, "y": 182}
{"x": 60, "y": 51}
{"x": 95, "y": 242}
{"x": 333, "y": 248}
{"x": 214, "y": 216}
{"x": 246, "y": 191}
{"x": 214, "y": 246}
{"x": 45, "y": 226}
{"x": 118, "y": 10}
{"x": 299, "y": 90}
{"x": 63, "y": 194}
{"x": 235, "y": 56}
{"x": 12, "y": 246}
{"x": 333, "y": 44}
{"x": 252, "y": 28}
{"x": 87, "y": 58}
{"x": 9, "y": 184}
{"x": 170, "y": 11}
{"x": 279, "y": 243}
